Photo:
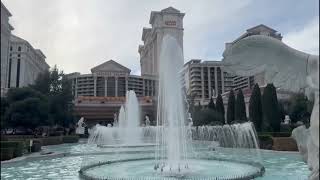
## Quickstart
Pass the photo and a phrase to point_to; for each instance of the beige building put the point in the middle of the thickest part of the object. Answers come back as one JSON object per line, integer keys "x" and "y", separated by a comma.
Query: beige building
{"x": 100, "y": 94}
{"x": 6, "y": 29}
{"x": 20, "y": 62}
{"x": 113, "y": 80}
{"x": 25, "y": 63}
{"x": 206, "y": 79}
{"x": 166, "y": 21}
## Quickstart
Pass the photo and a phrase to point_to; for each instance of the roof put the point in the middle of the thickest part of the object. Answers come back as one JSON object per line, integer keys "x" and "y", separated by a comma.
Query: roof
{"x": 15, "y": 38}
{"x": 168, "y": 10}
{"x": 39, "y": 52}
{"x": 3, "y": 7}
{"x": 112, "y": 66}
{"x": 261, "y": 26}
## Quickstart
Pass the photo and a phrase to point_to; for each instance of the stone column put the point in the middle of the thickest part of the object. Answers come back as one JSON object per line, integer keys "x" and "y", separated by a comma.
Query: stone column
{"x": 222, "y": 80}
{"x": 209, "y": 82}
{"x": 216, "y": 79}
{"x": 116, "y": 86}
{"x": 105, "y": 86}
{"x": 76, "y": 88}
{"x": 202, "y": 84}
{"x": 94, "y": 86}
{"x": 126, "y": 83}
{"x": 143, "y": 87}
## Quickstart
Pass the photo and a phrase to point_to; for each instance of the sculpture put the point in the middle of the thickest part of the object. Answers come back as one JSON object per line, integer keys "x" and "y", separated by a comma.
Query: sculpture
{"x": 147, "y": 120}
{"x": 287, "y": 69}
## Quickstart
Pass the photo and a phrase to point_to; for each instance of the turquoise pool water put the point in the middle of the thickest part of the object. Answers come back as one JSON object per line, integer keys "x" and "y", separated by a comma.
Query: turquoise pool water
{"x": 278, "y": 165}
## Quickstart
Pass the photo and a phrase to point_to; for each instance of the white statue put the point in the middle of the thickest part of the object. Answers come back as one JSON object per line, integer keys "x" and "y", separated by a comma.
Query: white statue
{"x": 80, "y": 126}
{"x": 115, "y": 120}
{"x": 147, "y": 120}
{"x": 287, "y": 69}
{"x": 287, "y": 119}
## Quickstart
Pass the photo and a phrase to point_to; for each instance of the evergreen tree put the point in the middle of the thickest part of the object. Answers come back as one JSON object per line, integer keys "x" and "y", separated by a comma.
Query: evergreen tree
{"x": 271, "y": 117}
{"x": 211, "y": 104}
{"x": 240, "y": 107}
{"x": 231, "y": 108}
{"x": 255, "y": 107}
{"x": 220, "y": 108}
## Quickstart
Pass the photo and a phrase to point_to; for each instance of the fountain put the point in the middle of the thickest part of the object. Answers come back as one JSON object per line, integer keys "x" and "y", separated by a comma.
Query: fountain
{"x": 173, "y": 137}
{"x": 171, "y": 152}
{"x": 129, "y": 120}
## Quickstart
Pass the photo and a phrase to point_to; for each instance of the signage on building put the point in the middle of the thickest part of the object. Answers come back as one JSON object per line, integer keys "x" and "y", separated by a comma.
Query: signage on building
{"x": 112, "y": 74}
{"x": 170, "y": 23}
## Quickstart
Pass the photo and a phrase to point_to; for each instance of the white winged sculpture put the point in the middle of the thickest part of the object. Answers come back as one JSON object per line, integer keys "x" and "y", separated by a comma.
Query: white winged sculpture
{"x": 286, "y": 68}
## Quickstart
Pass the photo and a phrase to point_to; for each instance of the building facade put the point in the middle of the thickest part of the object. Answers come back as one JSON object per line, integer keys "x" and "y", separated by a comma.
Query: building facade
{"x": 6, "y": 29}
{"x": 98, "y": 96}
{"x": 206, "y": 79}
{"x": 25, "y": 63}
{"x": 20, "y": 62}
{"x": 168, "y": 21}
{"x": 111, "y": 79}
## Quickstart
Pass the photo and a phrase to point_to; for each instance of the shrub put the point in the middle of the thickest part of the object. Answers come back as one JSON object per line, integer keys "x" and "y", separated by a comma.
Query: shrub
{"x": 51, "y": 140}
{"x": 70, "y": 139}
{"x": 36, "y": 146}
{"x": 276, "y": 134}
{"x": 6, "y": 153}
{"x": 265, "y": 141}
{"x": 17, "y": 146}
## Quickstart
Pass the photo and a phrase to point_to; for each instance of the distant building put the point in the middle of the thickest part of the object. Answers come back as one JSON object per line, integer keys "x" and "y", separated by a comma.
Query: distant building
{"x": 97, "y": 96}
{"x": 6, "y": 29}
{"x": 206, "y": 79}
{"x": 25, "y": 63}
{"x": 20, "y": 62}
{"x": 166, "y": 21}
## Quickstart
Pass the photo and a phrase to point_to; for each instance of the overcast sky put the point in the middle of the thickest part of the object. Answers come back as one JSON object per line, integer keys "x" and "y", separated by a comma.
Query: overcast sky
{"x": 80, "y": 34}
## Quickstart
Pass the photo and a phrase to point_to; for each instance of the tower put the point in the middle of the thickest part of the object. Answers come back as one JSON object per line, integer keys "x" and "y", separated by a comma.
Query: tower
{"x": 168, "y": 21}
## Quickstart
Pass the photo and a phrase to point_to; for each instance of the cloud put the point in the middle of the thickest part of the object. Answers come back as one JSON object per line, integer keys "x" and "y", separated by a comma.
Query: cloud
{"x": 79, "y": 34}
{"x": 305, "y": 39}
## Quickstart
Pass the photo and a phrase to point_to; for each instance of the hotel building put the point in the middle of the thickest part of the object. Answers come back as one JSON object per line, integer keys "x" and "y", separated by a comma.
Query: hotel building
{"x": 6, "y": 29}
{"x": 20, "y": 62}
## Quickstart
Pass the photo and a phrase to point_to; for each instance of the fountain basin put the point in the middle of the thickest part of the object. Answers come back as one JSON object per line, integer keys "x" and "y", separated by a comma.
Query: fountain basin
{"x": 127, "y": 145}
{"x": 143, "y": 169}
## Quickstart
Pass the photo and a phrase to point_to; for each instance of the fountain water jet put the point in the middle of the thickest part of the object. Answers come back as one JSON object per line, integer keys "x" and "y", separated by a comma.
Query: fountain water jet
{"x": 171, "y": 134}
{"x": 129, "y": 120}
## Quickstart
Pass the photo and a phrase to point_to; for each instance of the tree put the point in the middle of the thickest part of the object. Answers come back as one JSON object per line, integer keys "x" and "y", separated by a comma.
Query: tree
{"x": 28, "y": 108}
{"x": 211, "y": 104}
{"x": 255, "y": 107}
{"x": 42, "y": 83}
{"x": 240, "y": 107}
{"x": 220, "y": 108}
{"x": 271, "y": 117}
{"x": 299, "y": 107}
{"x": 282, "y": 112}
{"x": 231, "y": 108}
{"x": 4, "y": 107}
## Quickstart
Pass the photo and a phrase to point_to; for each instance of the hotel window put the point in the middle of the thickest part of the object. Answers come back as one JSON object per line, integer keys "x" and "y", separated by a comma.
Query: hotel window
{"x": 18, "y": 55}
{"x": 19, "y": 48}
{"x": 10, "y": 48}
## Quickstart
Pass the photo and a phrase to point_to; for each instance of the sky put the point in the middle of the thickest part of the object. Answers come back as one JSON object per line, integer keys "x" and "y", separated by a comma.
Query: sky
{"x": 77, "y": 35}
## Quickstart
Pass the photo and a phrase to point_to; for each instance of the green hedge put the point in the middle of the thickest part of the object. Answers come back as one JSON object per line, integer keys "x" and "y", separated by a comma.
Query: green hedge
{"x": 265, "y": 141}
{"x": 6, "y": 153}
{"x": 18, "y": 147}
{"x": 36, "y": 146}
{"x": 276, "y": 134}
{"x": 51, "y": 140}
{"x": 70, "y": 139}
